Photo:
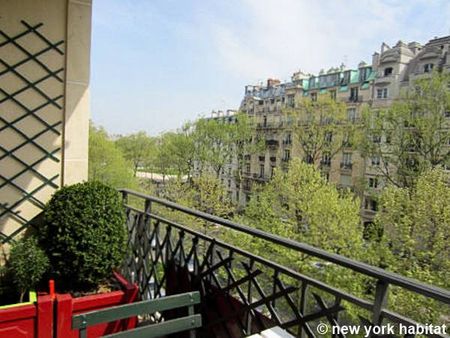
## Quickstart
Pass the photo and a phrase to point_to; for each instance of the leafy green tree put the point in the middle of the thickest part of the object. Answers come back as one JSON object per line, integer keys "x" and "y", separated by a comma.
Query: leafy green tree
{"x": 301, "y": 205}
{"x": 213, "y": 139}
{"x": 106, "y": 161}
{"x": 137, "y": 148}
{"x": 416, "y": 223}
{"x": 205, "y": 193}
{"x": 321, "y": 128}
{"x": 412, "y": 135}
{"x": 177, "y": 150}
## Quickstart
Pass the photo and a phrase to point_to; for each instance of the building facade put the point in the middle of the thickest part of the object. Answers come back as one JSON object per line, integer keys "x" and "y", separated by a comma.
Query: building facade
{"x": 375, "y": 85}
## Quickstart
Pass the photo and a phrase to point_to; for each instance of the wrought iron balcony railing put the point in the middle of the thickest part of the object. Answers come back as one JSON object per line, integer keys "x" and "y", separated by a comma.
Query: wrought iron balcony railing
{"x": 172, "y": 251}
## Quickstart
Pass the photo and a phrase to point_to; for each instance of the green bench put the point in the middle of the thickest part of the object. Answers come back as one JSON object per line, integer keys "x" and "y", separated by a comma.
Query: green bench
{"x": 190, "y": 322}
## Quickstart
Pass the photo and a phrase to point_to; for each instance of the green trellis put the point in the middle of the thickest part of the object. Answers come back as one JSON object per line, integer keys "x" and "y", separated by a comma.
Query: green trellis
{"x": 12, "y": 210}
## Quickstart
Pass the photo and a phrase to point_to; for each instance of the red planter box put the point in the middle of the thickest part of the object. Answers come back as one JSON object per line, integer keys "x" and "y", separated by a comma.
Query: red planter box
{"x": 67, "y": 306}
{"x": 28, "y": 321}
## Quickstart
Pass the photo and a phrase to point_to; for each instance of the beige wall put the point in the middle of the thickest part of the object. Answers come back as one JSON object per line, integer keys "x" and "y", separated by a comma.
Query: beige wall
{"x": 44, "y": 103}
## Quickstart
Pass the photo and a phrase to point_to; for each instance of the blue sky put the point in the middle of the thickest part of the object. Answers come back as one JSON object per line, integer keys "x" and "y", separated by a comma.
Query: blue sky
{"x": 158, "y": 63}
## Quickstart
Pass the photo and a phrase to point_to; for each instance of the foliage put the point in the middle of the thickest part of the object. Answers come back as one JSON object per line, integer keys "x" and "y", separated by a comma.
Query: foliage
{"x": 137, "y": 148}
{"x": 416, "y": 223}
{"x": 321, "y": 127}
{"x": 205, "y": 193}
{"x": 218, "y": 141}
{"x": 301, "y": 205}
{"x": 411, "y": 136}
{"x": 175, "y": 152}
{"x": 28, "y": 264}
{"x": 83, "y": 233}
{"x": 106, "y": 162}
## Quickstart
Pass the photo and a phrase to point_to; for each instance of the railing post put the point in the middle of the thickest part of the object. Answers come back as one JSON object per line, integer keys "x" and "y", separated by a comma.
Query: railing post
{"x": 302, "y": 307}
{"x": 381, "y": 298}
{"x": 191, "y": 312}
{"x": 124, "y": 197}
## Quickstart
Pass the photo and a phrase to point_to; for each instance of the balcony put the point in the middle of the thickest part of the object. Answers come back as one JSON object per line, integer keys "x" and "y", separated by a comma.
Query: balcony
{"x": 242, "y": 293}
{"x": 272, "y": 143}
{"x": 346, "y": 166}
{"x": 356, "y": 98}
{"x": 325, "y": 163}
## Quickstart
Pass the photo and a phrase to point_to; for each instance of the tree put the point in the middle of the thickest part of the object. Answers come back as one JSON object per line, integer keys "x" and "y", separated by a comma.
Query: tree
{"x": 412, "y": 135}
{"x": 180, "y": 148}
{"x": 205, "y": 193}
{"x": 301, "y": 205}
{"x": 416, "y": 223}
{"x": 321, "y": 128}
{"x": 106, "y": 162}
{"x": 213, "y": 139}
{"x": 137, "y": 148}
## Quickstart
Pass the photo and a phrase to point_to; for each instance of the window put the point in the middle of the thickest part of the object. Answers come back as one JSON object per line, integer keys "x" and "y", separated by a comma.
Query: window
{"x": 388, "y": 71}
{"x": 272, "y": 101}
{"x": 373, "y": 182}
{"x": 382, "y": 93}
{"x": 375, "y": 160}
{"x": 272, "y": 171}
{"x": 288, "y": 139}
{"x": 376, "y": 138}
{"x": 247, "y": 168}
{"x": 346, "y": 160}
{"x": 447, "y": 114}
{"x": 229, "y": 183}
{"x": 428, "y": 67}
{"x": 346, "y": 180}
{"x": 261, "y": 170}
{"x": 354, "y": 94}
{"x": 333, "y": 95}
{"x": 260, "y": 102}
{"x": 364, "y": 73}
{"x": 314, "y": 97}
{"x": 290, "y": 101}
{"x": 265, "y": 121}
{"x": 370, "y": 204}
{"x": 326, "y": 159}
{"x": 287, "y": 155}
{"x": 351, "y": 114}
{"x": 328, "y": 136}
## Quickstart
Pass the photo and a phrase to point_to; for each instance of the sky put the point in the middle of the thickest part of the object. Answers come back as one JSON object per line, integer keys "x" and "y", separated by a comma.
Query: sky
{"x": 156, "y": 64}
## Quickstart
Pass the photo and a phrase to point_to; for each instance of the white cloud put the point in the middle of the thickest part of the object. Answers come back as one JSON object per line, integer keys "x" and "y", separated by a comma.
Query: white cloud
{"x": 281, "y": 36}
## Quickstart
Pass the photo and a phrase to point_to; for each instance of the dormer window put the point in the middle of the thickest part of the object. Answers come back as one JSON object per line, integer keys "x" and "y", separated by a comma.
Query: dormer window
{"x": 388, "y": 71}
{"x": 428, "y": 67}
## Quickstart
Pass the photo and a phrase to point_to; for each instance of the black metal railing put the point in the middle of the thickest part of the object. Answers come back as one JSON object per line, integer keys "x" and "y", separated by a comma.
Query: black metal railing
{"x": 174, "y": 249}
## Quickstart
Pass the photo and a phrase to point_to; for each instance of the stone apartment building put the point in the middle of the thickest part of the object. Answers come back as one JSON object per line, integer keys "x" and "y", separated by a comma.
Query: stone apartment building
{"x": 377, "y": 85}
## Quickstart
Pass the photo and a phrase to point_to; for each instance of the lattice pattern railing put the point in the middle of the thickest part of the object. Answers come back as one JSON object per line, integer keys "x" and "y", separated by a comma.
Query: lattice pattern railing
{"x": 31, "y": 103}
{"x": 243, "y": 293}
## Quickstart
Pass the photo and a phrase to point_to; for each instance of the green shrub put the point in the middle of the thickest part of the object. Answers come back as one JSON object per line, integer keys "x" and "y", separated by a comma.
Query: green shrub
{"x": 28, "y": 263}
{"x": 84, "y": 233}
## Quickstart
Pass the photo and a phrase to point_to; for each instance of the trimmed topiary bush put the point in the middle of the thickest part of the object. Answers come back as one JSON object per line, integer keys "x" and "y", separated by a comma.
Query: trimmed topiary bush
{"x": 84, "y": 233}
{"x": 28, "y": 263}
